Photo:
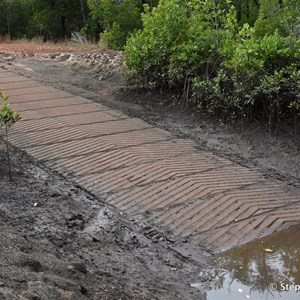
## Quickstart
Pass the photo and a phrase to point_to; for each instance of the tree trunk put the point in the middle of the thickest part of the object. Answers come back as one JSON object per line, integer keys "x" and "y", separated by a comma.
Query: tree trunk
{"x": 247, "y": 9}
{"x": 63, "y": 27}
{"x": 8, "y": 156}
{"x": 239, "y": 10}
{"x": 8, "y": 20}
{"x": 82, "y": 11}
{"x": 63, "y": 20}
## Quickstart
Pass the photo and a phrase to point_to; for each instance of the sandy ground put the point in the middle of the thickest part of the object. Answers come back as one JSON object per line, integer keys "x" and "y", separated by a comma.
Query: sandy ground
{"x": 28, "y": 49}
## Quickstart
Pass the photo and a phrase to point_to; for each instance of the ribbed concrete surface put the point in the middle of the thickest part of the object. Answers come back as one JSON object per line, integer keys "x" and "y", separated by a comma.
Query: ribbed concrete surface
{"x": 147, "y": 171}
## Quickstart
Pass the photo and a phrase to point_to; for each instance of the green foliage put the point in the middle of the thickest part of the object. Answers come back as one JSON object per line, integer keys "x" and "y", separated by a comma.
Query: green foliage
{"x": 240, "y": 57}
{"x": 220, "y": 67}
{"x": 92, "y": 29}
{"x": 54, "y": 19}
{"x": 113, "y": 38}
{"x": 280, "y": 91}
{"x": 14, "y": 15}
{"x": 284, "y": 18}
{"x": 118, "y": 19}
{"x": 8, "y": 117}
{"x": 179, "y": 39}
{"x": 268, "y": 53}
{"x": 57, "y": 19}
{"x": 247, "y": 11}
{"x": 148, "y": 51}
{"x": 208, "y": 29}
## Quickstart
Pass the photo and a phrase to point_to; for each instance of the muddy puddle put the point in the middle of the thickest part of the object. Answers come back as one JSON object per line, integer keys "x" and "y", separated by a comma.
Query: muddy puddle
{"x": 268, "y": 268}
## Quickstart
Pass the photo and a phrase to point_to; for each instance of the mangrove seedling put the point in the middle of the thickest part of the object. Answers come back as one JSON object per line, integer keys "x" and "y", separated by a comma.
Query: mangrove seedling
{"x": 8, "y": 117}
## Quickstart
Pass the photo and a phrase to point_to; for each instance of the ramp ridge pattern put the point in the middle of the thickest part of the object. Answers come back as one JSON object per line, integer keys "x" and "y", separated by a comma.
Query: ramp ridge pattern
{"x": 146, "y": 171}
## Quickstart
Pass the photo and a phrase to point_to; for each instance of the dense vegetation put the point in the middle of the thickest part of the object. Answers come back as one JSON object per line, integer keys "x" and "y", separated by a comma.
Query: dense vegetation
{"x": 49, "y": 20}
{"x": 219, "y": 63}
{"x": 55, "y": 20}
{"x": 236, "y": 58}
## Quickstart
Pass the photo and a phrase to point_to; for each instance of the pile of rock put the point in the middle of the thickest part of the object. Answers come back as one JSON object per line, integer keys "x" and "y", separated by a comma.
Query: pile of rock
{"x": 6, "y": 57}
{"x": 107, "y": 63}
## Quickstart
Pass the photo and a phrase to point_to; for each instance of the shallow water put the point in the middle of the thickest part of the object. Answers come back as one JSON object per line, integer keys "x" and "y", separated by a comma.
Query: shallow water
{"x": 268, "y": 268}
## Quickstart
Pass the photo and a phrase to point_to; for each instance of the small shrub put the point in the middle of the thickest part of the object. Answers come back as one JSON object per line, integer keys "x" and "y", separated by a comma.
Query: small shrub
{"x": 113, "y": 38}
{"x": 8, "y": 117}
{"x": 117, "y": 19}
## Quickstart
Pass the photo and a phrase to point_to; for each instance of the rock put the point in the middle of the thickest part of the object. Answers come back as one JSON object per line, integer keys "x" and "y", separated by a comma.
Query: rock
{"x": 7, "y": 294}
{"x": 33, "y": 265}
{"x": 81, "y": 267}
{"x": 40, "y": 290}
{"x": 54, "y": 55}
{"x": 97, "y": 61}
{"x": 76, "y": 220}
{"x": 31, "y": 295}
{"x": 63, "y": 57}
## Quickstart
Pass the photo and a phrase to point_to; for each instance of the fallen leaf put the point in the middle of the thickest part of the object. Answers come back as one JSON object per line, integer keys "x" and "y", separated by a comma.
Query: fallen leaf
{"x": 269, "y": 250}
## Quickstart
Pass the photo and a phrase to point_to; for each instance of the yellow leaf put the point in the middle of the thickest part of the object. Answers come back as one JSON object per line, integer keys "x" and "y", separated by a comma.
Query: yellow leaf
{"x": 269, "y": 250}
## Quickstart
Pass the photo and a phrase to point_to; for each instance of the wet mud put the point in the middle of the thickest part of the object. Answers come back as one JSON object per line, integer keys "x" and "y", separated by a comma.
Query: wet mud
{"x": 106, "y": 255}
{"x": 59, "y": 242}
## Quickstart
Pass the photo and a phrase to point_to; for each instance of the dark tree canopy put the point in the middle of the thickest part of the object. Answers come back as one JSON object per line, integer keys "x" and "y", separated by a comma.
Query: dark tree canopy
{"x": 56, "y": 19}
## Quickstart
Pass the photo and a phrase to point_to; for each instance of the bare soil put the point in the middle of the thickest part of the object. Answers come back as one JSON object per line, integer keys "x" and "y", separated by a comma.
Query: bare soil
{"x": 56, "y": 239}
{"x": 29, "y": 49}
{"x": 59, "y": 242}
